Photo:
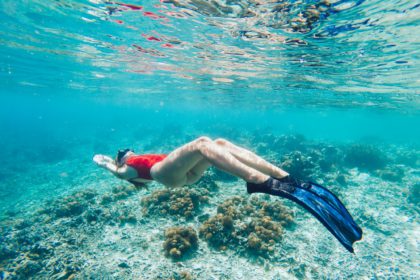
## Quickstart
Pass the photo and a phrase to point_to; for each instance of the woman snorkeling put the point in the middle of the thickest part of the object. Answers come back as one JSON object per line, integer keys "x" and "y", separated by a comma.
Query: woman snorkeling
{"x": 186, "y": 164}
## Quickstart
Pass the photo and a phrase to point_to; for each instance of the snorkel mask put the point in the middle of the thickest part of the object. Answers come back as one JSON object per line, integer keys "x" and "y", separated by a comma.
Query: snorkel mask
{"x": 119, "y": 160}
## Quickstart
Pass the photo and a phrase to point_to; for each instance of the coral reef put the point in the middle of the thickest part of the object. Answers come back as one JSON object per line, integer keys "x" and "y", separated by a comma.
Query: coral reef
{"x": 218, "y": 231}
{"x": 123, "y": 191}
{"x": 49, "y": 243}
{"x": 262, "y": 234}
{"x": 294, "y": 142}
{"x": 179, "y": 202}
{"x": 330, "y": 158}
{"x": 268, "y": 143}
{"x": 180, "y": 241}
{"x": 299, "y": 165}
{"x": 207, "y": 182}
{"x": 69, "y": 206}
{"x": 219, "y": 175}
{"x": 314, "y": 162}
{"x": 365, "y": 157}
{"x": 252, "y": 225}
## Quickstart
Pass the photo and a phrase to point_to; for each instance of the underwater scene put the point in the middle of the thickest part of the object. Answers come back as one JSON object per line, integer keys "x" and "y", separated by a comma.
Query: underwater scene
{"x": 326, "y": 90}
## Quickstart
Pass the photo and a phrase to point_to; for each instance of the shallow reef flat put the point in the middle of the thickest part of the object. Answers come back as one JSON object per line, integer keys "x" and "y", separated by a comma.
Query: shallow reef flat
{"x": 108, "y": 229}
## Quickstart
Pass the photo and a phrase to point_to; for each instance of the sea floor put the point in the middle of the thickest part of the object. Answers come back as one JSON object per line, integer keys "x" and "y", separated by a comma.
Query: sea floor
{"x": 99, "y": 227}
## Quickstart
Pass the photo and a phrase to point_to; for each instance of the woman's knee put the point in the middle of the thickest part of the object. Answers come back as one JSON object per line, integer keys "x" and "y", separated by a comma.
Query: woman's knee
{"x": 203, "y": 139}
{"x": 202, "y": 142}
{"x": 222, "y": 142}
{"x": 192, "y": 177}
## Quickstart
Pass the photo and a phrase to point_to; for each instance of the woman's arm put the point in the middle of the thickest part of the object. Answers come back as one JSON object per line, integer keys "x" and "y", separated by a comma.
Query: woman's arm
{"x": 108, "y": 163}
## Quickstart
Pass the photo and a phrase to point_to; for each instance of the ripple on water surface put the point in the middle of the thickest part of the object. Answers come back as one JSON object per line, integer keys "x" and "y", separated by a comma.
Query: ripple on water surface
{"x": 340, "y": 53}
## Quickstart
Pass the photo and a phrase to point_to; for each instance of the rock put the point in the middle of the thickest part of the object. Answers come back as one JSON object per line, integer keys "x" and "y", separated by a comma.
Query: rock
{"x": 341, "y": 179}
{"x": 123, "y": 265}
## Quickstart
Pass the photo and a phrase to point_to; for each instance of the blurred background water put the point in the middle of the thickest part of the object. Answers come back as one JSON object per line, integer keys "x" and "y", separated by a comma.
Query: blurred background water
{"x": 86, "y": 77}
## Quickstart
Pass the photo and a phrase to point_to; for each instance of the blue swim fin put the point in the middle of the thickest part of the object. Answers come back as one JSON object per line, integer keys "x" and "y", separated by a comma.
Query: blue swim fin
{"x": 319, "y": 201}
{"x": 333, "y": 200}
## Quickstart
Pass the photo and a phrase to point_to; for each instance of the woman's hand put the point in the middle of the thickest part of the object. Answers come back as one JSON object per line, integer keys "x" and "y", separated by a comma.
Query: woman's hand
{"x": 102, "y": 160}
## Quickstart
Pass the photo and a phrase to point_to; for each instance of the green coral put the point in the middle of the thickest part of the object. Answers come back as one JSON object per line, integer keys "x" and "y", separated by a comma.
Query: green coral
{"x": 180, "y": 241}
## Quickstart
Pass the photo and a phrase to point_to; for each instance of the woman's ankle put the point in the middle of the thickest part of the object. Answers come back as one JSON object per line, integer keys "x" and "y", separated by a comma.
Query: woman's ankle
{"x": 280, "y": 175}
{"x": 259, "y": 180}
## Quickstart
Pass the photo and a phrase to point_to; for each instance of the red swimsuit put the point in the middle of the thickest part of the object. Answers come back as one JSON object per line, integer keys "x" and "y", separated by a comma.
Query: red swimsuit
{"x": 143, "y": 164}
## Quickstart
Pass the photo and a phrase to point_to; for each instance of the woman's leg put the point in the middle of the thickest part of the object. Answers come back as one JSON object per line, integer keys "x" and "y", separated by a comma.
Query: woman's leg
{"x": 173, "y": 170}
{"x": 251, "y": 159}
{"x": 197, "y": 171}
{"x": 243, "y": 155}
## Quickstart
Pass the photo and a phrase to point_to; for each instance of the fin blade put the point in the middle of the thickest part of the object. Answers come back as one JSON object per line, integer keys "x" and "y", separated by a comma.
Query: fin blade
{"x": 334, "y": 201}
{"x": 338, "y": 225}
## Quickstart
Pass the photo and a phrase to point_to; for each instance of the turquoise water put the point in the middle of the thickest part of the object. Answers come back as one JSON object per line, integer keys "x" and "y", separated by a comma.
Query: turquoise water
{"x": 327, "y": 90}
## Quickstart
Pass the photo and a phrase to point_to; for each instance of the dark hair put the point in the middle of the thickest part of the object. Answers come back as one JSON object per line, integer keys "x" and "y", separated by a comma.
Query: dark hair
{"x": 121, "y": 154}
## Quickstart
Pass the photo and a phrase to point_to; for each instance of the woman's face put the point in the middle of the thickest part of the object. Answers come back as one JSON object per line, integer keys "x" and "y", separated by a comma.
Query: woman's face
{"x": 121, "y": 159}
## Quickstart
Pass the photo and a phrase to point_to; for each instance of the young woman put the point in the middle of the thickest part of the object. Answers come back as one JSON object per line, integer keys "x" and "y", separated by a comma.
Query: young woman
{"x": 186, "y": 164}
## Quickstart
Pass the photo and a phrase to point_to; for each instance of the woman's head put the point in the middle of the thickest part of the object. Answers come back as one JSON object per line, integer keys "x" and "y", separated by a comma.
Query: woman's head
{"x": 122, "y": 156}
